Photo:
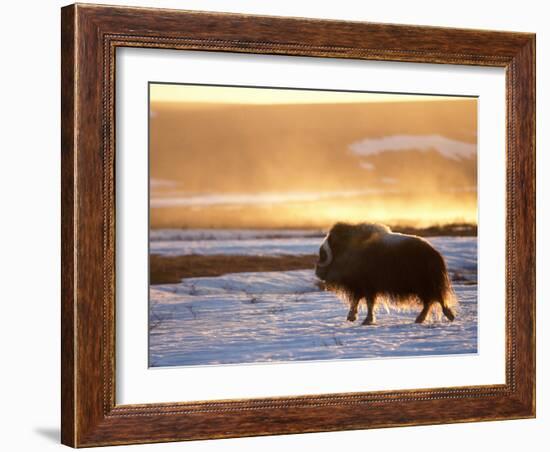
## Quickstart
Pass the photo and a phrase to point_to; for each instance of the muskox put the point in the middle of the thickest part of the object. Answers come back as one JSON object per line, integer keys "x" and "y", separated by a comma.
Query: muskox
{"x": 370, "y": 262}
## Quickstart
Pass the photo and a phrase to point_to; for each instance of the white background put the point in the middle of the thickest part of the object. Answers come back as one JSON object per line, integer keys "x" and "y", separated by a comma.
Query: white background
{"x": 30, "y": 270}
{"x": 137, "y": 384}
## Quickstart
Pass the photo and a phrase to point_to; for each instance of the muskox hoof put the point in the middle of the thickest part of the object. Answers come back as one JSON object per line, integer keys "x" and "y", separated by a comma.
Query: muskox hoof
{"x": 352, "y": 317}
{"x": 449, "y": 314}
{"x": 369, "y": 322}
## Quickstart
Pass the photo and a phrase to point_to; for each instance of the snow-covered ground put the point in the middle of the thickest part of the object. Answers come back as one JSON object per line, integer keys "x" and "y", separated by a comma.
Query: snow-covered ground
{"x": 277, "y": 246}
{"x": 159, "y": 235}
{"x": 285, "y": 316}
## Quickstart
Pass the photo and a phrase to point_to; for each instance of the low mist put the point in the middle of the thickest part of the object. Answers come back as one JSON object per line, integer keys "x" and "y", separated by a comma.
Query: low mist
{"x": 239, "y": 165}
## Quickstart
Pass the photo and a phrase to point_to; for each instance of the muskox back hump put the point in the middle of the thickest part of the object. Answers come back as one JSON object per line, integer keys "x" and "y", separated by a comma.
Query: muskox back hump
{"x": 394, "y": 238}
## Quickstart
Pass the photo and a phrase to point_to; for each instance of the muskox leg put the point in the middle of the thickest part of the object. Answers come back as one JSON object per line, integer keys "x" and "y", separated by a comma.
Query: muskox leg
{"x": 449, "y": 313}
{"x": 353, "y": 305}
{"x": 424, "y": 313}
{"x": 371, "y": 318}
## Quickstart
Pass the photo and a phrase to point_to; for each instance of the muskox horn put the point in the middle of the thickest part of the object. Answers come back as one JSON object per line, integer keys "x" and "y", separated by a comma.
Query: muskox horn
{"x": 327, "y": 249}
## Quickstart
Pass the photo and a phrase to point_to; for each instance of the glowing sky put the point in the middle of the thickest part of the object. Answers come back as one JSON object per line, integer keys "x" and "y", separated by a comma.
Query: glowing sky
{"x": 265, "y": 157}
{"x": 266, "y": 96}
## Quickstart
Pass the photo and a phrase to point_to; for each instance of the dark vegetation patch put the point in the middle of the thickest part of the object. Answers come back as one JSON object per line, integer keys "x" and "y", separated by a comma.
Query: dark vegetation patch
{"x": 451, "y": 229}
{"x": 172, "y": 269}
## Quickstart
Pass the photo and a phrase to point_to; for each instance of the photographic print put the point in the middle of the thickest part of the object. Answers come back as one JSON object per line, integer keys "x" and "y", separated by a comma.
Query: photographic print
{"x": 233, "y": 241}
{"x": 303, "y": 225}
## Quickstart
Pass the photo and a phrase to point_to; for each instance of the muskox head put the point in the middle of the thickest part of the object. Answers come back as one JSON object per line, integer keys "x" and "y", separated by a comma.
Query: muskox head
{"x": 340, "y": 240}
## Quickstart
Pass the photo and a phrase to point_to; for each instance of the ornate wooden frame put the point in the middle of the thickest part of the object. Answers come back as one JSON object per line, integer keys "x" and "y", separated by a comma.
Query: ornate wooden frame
{"x": 90, "y": 35}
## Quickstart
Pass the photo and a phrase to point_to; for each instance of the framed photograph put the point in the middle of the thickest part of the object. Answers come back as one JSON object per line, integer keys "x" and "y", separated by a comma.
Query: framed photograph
{"x": 281, "y": 225}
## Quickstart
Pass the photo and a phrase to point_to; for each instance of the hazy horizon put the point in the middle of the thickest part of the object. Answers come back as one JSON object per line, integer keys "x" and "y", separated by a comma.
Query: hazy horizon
{"x": 291, "y": 158}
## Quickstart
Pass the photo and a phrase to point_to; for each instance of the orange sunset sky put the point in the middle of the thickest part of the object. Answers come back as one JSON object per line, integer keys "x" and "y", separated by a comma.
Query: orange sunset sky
{"x": 230, "y": 157}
